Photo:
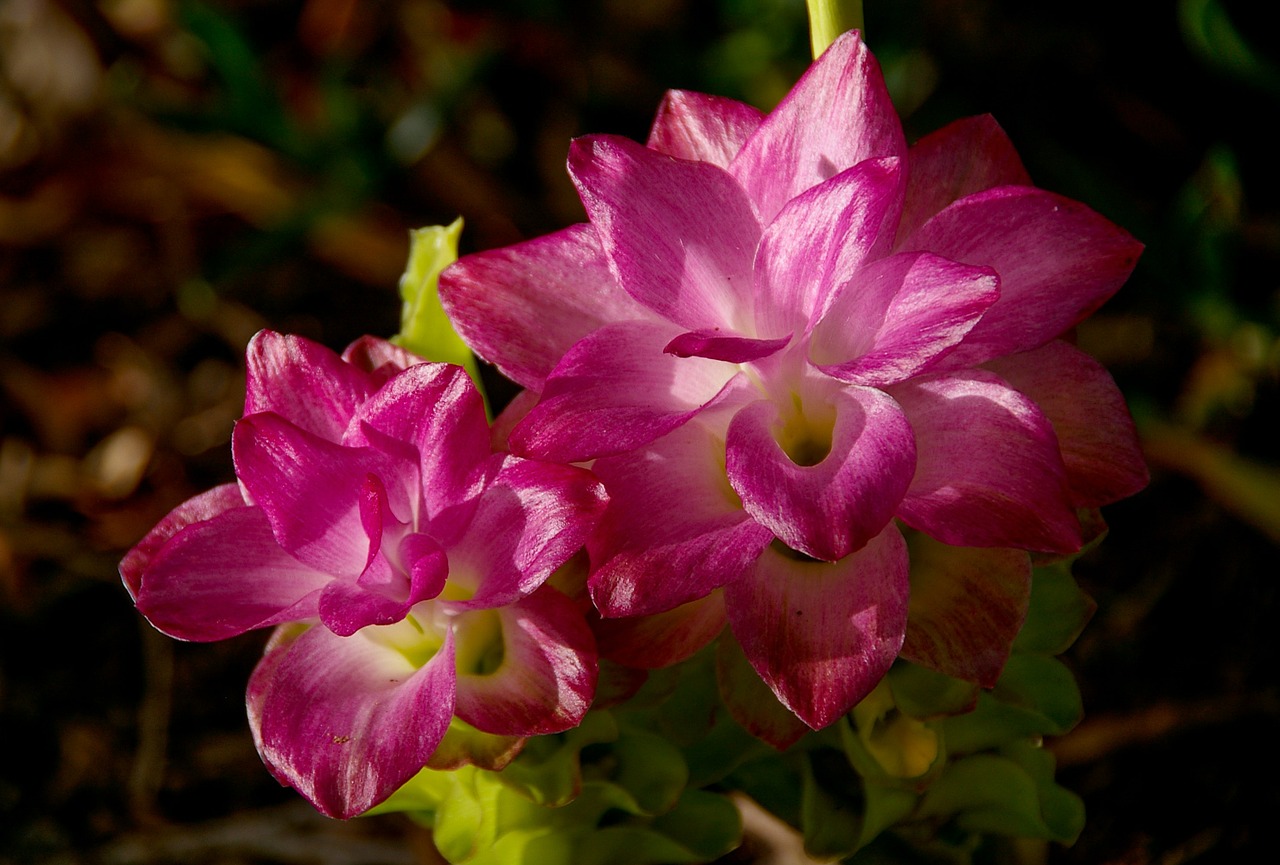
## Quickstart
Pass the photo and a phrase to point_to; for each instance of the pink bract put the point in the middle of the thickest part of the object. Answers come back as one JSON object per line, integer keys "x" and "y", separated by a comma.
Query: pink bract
{"x": 402, "y": 559}
{"x": 781, "y": 337}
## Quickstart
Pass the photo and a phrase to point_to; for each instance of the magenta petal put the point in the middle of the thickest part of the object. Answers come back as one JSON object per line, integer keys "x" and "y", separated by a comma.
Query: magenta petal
{"x": 194, "y": 510}
{"x": 988, "y": 473}
{"x": 346, "y": 721}
{"x": 820, "y": 239}
{"x": 223, "y": 576}
{"x": 418, "y": 575}
{"x": 830, "y": 508}
{"x": 522, "y": 307}
{"x": 380, "y": 358}
{"x": 1095, "y": 433}
{"x": 970, "y": 155}
{"x": 530, "y": 521}
{"x": 614, "y": 391}
{"x": 899, "y": 317}
{"x": 662, "y": 639}
{"x": 715, "y": 345}
{"x": 680, "y": 236}
{"x": 837, "y": 115}
{"x": 311, "y": 489}
{"x": 1058, "y": 261}
{"x": 303, "y": 382}
{"x": 547, "y": 674}
{"x": 701, "y": 127}
{"x": 674, "y": 530}
{"x": 821, "y": 634}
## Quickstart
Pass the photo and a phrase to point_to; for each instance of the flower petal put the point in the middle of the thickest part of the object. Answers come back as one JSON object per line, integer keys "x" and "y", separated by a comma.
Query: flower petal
{"x": 820, "y": 239}
{"x": 1095, "y": 433}
{"x": 1058, "y": 261}
{"x": 347, "y": 720}
{"x": 751, "y": 703}
{"x": 662, "y": 639}
{"x": 837, "y": 115}
{"x": 522, "y": 307}
{"x": 194, "y": 510}
{"x": 419, "y": 574}
{"x": 988, "y": 473}
{"x": 674, "y": 530}
{"x": 829, "y": 508}
{"x": 614, "y": 391}
{"x": 823, "y": 634}
{"x": 223, "y": 576}
{"x": 379, "y": 358}
{"x": 303, "y": 382}
{"x": 679, "y": 235}
{"x": 701, "y": 127}
{"x": 715, "y": 345}
{"x": 547, "y": 672}
{"x": 899, "y": 316}
{"x": 970, "y": 155}
{"x": 967, "y": 605}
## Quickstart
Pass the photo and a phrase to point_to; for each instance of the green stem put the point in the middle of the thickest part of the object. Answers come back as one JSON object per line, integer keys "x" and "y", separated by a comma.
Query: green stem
{"x": 829, "y": 18}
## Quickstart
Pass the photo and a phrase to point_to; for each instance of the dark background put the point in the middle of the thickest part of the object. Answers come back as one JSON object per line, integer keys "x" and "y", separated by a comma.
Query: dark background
{"x": 176, "y": 175}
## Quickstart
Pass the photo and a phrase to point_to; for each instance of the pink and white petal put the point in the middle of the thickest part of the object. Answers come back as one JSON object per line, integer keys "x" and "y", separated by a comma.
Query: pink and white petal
{"x": 837, "y": 115}
{"x": 1058, "y": 261}
{"x": 522, "y": 307}
{"x": 679, "y": 236}
{"x": 662, "y": 639}
{"x": 530, "y": 521}
{"x": 197, "y": 509}
{"x": 674, "y": 531}
{"x": 701, "y": 127}
{"x": 310, "y": 490}
{"x": 832, "y": 507}
{"x": 346, "y": 721}
{"x": 988, "y": 472}
{"x": 967, "y": 605}
{"x": 967, "y": 156}
{"x": 717, "y": 345}
{"x": 823, "y": 634}
{"x": 436, "y": 408}
{"x": 546, "y": 676}
{"x": 1095, "y": 433}
{"x": 223, "y": 576}
{"x": 820, "y": 239}
{"x": 899, "y": 317}
{"x": 379, "y": 358}
{"x": 617, "y": 390}
{"x": 303, "y": 382}
{"x": 383, "y": 595}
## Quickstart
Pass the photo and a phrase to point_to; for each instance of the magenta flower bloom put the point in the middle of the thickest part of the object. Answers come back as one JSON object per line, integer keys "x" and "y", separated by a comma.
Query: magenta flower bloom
{"x": 404, "y": 559}
{"x": 779, "y": 336}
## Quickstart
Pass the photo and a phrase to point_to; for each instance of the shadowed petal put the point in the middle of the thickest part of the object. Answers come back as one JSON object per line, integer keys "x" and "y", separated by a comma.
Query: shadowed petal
{"x": 1058, "y": 261}
{"x": 832, "y": 506}
{"x": 303, "y": 382}
{"x": 823, "y": 634}
{"x": 347, "y": 720}
{"x": 614, "y": 391}
{"x": 967, "y": 605}
{"x": 662, "y": 639}
{"x": 837, "y": 115}
{"x": 701, "y": 127}
{"x": 194, "y": 510}
{"x": 679, "y": 236}
{"x": 899, "y": 316}
{"x": 674, "y": 530}
{"x": 970, "y": 155}
{"x": 1095, "y": 433}
{"x": 750, "y": 701}
{"x": 546, "y": 666}
{"x": 522, "y": 307}
{"x": 988, "y": 473}
{"x": 379, "y": 358}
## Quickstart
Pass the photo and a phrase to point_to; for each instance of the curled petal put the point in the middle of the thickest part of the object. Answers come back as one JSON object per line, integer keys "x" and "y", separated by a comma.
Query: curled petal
{"x": 303, "y": 382}
{"x": 522, "y": 307}
{"x": 701, "y": 127}
{"x": 347, "y": 720}
{"x": 1095, "y": 433}
{"x": 988, "y": 472}
{"x": 715, "y": 345}
{"x": 194, "y": 510}
{"x": 823, "y": 634}
{"x": 899, "y": 317}
{"x": 829, "y": 505}
{"x": 532, "y": 669}
{"x": 379, "y": 358}
{"x": 387, "y": 590}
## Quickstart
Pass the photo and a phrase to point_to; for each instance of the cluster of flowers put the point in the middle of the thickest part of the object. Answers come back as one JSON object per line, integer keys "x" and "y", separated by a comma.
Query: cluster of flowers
{"x": 784, "y": 350}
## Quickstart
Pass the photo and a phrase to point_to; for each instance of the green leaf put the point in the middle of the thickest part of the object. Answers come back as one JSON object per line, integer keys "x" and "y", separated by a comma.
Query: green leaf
{"x": 424, "y": 328}
{"x": 548, "y": 770}
{"x": 830, "y": 812}
{"x": 1058, "y": 613}
{"x": 1036, "y": 696}
{"x": 923, "y": 693}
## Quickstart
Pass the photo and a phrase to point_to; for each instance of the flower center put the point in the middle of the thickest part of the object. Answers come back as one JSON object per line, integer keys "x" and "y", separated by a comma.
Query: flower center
{"x": 805, "y": 436}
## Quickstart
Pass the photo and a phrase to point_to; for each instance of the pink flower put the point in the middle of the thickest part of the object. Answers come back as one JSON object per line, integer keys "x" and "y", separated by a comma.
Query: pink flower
{"x": 779, "y": 336}
{"x": 403, "y": 558}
